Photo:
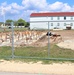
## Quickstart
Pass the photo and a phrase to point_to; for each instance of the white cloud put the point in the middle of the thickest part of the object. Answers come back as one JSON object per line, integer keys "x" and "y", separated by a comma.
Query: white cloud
{"x": 26, "y": 14}
{"x": 10, "y": 8}
{"x": 34, "y": 4}
{"x": 29, "y": 6}
{"x": 66, "y": 7}
{"x": 16, "y": 6}
{"x": 4, "y": 4}
{"x": 56, "y": 6}
{"x": 14, "y": 12}
{"x": 42, "y": 5}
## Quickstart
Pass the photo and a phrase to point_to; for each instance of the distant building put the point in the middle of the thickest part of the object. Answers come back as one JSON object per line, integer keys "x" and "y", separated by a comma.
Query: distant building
{"x": 1, "y": 24}
{"x": 56, "y": 20}
{"x": 6, "y": 25}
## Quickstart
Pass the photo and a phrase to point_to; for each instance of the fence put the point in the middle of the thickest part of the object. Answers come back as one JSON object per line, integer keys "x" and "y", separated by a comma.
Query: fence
{"x": 35, "y": 44}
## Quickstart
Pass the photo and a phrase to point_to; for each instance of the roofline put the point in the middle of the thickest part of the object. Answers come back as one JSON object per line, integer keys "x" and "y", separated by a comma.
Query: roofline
{"x": 44, "y": 14}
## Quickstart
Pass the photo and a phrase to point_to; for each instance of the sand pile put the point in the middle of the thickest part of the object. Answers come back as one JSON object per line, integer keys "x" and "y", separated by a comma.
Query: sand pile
{"x": 69, "y": 44}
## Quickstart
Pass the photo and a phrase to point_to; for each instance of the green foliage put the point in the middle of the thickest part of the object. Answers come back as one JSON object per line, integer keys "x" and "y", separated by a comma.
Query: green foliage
{"x": 9, "y": 21}
{"x": 16, "y": 23}
{"x": 27, "y": 24}
{"x": 21, "y": 21}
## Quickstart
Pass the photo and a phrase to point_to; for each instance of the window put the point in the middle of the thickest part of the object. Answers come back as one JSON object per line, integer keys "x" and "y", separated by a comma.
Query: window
{"x": 71, "y": 24}
{"x": 58, "y": 18}
{"x": 71, "y": 18}
{"x": 51, "y": 24}
{"x": 58, "y": 24}
{"x": 51, "y": 18}
{"x": 64, "y": 17}
{"x": 64, "y": 24}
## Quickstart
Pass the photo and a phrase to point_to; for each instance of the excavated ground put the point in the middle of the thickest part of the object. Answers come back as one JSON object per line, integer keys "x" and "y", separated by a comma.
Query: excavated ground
{"x": 40, "y": 39}
{"x": 66, "y": 40}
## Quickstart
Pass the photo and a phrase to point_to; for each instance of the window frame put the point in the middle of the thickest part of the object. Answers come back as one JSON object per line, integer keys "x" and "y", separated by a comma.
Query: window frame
{"x": 64, "y": 24}
{"x": 64, "y": 17}
{"x": 51, "y": 18}
{"x": 58, "y": 24}
{"x": 58, "y": 18}
{"x": 71, "y": 24}
{"x": 51, "y": 24}
{"x": 71, "y": 17}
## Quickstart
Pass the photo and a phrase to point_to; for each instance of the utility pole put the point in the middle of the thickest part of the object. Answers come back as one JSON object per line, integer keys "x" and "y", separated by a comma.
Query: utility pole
{"x": 48, "y": 40}
{"x": 12, "y": 39}
{"x": 3, "y": 13}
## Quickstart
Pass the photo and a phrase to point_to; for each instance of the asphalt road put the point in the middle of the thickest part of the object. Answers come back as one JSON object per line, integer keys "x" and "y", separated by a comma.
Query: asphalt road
{"x": 15, "y": 73}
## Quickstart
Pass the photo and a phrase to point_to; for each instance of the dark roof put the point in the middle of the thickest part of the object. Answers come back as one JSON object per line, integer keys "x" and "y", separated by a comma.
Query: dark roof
{"x": 52, "y": 14}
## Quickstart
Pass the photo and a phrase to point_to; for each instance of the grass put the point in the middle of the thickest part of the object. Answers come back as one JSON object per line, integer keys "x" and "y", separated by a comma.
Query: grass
{"x": 42, "y": 52}
{"x": 61, "y": 52}
{"x": 5, "y": 52}
{"x": 9, "y": 29}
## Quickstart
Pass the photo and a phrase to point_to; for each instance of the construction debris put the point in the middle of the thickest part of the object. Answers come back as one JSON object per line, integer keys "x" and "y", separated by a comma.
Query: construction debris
{"x": 20, "y": 38}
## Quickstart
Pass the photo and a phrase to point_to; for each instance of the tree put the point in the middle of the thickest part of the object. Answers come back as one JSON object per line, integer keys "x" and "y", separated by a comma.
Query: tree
{"x": 15, "y": 23}
{"x": 27, "y": 24}
{"x": 9, "y": 21}
{"x": 21, "y": 22}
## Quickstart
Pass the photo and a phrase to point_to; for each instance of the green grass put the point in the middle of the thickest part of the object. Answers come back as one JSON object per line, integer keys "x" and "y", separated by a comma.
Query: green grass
{"x": 42, "y": 52}
{"x": 55, "y": 52}
{"x": 61, "y": 52}
{"x": 5, "y": 52}
{"x": 31, "y": 51}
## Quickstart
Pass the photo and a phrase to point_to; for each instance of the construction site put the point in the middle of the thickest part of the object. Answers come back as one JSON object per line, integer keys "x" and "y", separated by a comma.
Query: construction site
{"x": 38, "y": 38}
{"x": 21, "y": 38}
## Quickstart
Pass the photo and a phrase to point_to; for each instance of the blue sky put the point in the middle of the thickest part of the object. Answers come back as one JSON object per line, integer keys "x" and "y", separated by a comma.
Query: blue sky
{"x": 70, "y": 2}
{"x": 15, "y": 9}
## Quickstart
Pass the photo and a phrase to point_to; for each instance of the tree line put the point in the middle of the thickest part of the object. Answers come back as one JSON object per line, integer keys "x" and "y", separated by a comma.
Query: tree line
{"x": 19, "y": 22}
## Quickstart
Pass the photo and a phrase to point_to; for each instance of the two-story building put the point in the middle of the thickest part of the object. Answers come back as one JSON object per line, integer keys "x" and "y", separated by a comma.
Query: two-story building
{"x": 55, "y": 20}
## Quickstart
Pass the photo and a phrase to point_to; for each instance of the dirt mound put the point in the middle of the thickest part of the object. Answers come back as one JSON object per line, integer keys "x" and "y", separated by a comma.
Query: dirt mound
{"x": 41, "y": 42}
{"x": 69, "y": 44}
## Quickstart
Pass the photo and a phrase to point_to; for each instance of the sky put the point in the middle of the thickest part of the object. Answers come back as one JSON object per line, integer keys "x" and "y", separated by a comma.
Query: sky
{"x": 16, "y": 9}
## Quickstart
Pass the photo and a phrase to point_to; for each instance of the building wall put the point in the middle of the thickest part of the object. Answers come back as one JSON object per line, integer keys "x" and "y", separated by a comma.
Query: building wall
{"x": 39, "y": 25}
{"x": 54, "y": 22}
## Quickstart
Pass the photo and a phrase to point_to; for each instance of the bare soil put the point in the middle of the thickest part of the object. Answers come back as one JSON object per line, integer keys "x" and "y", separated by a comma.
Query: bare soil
{"x": 65, "y": 40}
{"x": 39, "y": 68}
{"x": 58, "y": 68}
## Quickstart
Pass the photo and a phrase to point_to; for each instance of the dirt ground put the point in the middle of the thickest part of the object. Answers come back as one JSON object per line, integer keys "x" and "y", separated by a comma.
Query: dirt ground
{"x": 66, "y": 40}
{"x": 54, "y": 68}
{"x": 40, "y": 39}
{"x": 40, "y": 69}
